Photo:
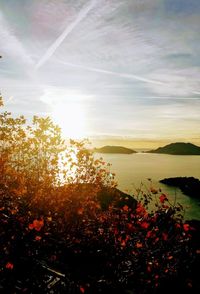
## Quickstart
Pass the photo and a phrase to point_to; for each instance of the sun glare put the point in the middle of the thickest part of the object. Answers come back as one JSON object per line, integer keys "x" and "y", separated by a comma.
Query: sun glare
{"x": 71, "y": 119}
{"x": 67, "y": 110}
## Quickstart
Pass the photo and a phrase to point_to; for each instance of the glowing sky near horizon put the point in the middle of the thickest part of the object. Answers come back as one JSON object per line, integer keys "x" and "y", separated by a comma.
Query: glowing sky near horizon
{"x": 107, "y": 68}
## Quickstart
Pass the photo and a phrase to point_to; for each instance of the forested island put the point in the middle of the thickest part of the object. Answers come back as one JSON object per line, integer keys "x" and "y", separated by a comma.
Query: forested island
{"x": 114, "y": 149}
{"x": 178, "y": 148}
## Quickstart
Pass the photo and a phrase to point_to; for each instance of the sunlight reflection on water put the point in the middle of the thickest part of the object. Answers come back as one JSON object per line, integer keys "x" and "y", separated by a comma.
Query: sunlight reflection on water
{"x": 133, "y": 169}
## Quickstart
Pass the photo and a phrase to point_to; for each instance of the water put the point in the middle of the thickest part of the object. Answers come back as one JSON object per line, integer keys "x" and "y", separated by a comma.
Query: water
{"x": 133, "y": 169}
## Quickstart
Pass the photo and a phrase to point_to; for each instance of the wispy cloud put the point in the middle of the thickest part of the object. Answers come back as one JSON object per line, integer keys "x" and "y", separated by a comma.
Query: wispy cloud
{"x": 11, "y": 46}
{"x": 82, "y": 14}
{"x": 134, "y": 65}
{"x": 177, "y": 83}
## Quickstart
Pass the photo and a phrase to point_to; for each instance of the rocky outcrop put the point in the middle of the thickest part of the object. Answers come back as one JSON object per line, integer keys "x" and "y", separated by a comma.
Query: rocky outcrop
{"x": 188, "y": 185}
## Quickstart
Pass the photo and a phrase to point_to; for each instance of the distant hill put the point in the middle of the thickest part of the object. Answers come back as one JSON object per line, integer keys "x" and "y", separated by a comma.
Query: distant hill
{"x": 188, "y": 185}
{"x": 178, "y": 149}
{"x": 114, "y": 149}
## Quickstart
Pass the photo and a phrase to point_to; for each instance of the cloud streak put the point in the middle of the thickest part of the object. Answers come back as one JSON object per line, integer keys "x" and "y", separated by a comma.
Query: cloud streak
{"x": 82, "y": 14}
{"x": 113, "y": 73}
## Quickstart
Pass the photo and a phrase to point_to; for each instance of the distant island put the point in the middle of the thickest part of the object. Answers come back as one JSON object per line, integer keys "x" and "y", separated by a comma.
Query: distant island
{"x": 178, "y": 149}
{"x": 114, "y": 149}
{"x": 190, "y": 186}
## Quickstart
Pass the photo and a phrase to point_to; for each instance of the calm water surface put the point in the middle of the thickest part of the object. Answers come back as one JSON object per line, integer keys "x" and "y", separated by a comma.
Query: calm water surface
{"x": 133, "y": 169}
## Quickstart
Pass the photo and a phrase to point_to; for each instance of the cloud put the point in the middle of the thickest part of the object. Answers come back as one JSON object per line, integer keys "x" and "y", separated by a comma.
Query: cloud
{"x": 11, "y": 47}
{"x": 23, "y": 98}
{"x": 134, "y": 65}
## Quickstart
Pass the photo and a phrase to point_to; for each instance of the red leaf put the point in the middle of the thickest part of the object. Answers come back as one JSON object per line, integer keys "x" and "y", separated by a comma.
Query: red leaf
{"x": 148, "y": 268}
{"x": 140, "y": 209}
{"x": 130, "y": 227}
{"x": 82, "y": 290}
{"x": 144, "y": 225}
{"x": 186, "y": 227}
{"x": 9, "y": 265}
{"x": 164, "y": 236}
{"x": 30, "y": 226}
{"x": 150, "y": 234}
{"x": 163, "y": 198}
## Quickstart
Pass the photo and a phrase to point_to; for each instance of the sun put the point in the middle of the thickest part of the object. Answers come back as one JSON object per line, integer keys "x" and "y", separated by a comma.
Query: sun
{"x": 68, "y": 110}
{"x": 71, "y": 118}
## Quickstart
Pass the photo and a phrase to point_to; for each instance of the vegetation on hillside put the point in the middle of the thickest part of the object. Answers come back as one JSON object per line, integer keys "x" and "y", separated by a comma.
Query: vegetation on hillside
{"x": 114, "y": 149}
{"x": 178, "y": 148}
{"x": 188, "y": 185}
{"x": 58, "y": 236}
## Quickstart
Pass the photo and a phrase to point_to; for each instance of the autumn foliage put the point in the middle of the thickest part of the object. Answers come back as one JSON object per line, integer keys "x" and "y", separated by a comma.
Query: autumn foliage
{"x": 55, "y": 225}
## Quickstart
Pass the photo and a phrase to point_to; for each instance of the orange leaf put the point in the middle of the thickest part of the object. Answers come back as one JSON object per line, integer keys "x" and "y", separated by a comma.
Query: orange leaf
{"x": 125, "y": 208}
{"x": 80, "y": 211}
{"x": 138, "y": 245}
{"x": 153, "y": 190}
{"x": 123, "y": 243}
{"x": 37, "y": 225}
{"x": 38, "y": 238}
{"x": 166, "y": 271}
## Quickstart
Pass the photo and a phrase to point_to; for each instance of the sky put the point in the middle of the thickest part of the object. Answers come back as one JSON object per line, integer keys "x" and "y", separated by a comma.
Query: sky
{"x": 117, "y": 71}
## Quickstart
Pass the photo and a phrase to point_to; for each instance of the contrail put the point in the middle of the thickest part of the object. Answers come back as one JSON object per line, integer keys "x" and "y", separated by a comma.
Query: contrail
{"x": 82, "y": 14}
{"x": 108, "y": 72}
{"x": 132, "y": 77}
{"x": 172, "y": 97}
